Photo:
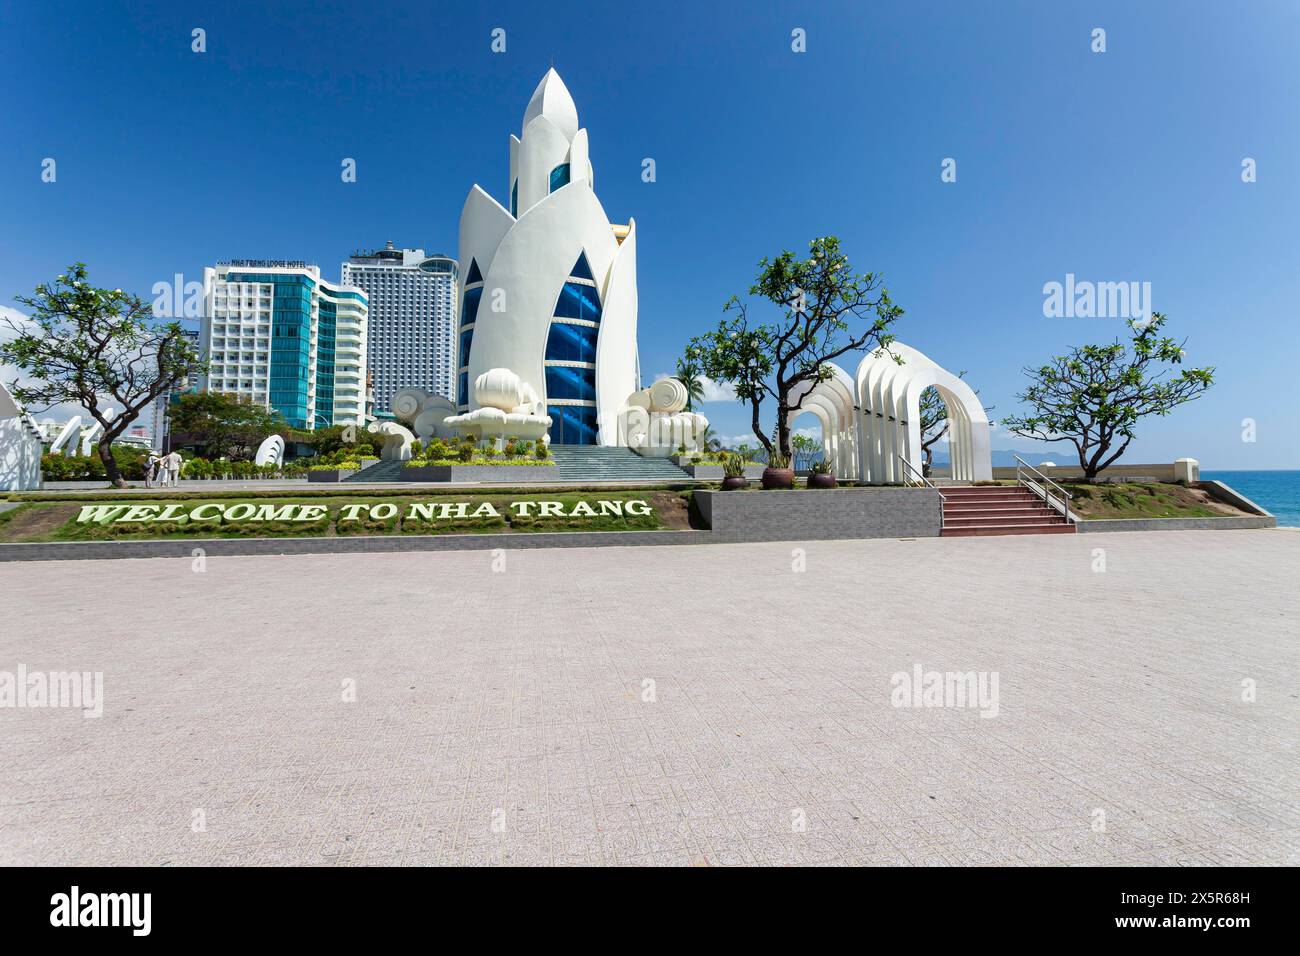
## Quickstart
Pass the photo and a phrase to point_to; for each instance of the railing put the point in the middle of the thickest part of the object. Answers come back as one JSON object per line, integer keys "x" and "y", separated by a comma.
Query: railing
{"x": 924, "y": 482}
{"x": 1044, "y": 487}
{"x": 919, "y": 476}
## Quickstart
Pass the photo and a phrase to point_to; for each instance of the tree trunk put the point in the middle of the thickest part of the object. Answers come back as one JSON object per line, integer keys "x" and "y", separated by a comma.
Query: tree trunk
{"x": 783, "y": 432}
{"x": 111, "y": 471}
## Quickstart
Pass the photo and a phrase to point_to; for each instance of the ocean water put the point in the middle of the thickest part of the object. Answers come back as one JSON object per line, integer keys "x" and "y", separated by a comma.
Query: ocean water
{"x": 1275, "y": 491}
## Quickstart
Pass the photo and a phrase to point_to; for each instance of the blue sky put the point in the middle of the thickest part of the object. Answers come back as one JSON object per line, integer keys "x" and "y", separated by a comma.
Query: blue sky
{"x": 1115, "y": 166}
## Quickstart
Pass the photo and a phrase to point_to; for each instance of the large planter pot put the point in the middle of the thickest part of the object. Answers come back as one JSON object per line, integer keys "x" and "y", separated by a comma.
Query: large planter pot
{"x": 778, "y": 478}
{"x": 735, "y": 484}
{"x": 821, "y": 481}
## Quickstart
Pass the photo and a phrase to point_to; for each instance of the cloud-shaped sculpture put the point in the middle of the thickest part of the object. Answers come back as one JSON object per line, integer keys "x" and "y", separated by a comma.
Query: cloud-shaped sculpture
{"x": 653, "y": 423}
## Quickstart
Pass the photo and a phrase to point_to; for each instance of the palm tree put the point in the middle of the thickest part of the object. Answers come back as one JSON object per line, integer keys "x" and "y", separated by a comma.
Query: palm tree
{"x": 690, "y": 375}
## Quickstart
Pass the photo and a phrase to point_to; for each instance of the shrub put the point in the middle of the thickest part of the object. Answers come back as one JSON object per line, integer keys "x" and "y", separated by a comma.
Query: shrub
{"x": 733, "y": 466}
{"x": 822, "y": 467}
{"x": 466, "y": 453}
{"x": 777, "y": 460}
{"x": 541, "y": 451}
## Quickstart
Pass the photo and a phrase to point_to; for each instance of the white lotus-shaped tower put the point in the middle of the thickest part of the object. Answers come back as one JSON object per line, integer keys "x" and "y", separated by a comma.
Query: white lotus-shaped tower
{"x": 549, "y": 287}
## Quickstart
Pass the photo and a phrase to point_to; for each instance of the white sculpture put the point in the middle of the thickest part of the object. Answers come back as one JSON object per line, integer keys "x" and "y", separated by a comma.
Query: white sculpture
{"x": 549, "y": 283}
{"x": 90, "y": 434}
{"x": 397, "y": 440}
{"x": 20, "y": 446}
{"x": 508, "y": 407}
{"x": 67, "y": 438}
{"x": 270, "y": 452}
{"x": 654, "y": 424}
{"x": 872, "y": 421}
{"x": 424, "y": 412}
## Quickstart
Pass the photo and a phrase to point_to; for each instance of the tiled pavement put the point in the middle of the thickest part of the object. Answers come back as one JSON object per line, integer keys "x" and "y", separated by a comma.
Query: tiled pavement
{"x": 503, "y": 717}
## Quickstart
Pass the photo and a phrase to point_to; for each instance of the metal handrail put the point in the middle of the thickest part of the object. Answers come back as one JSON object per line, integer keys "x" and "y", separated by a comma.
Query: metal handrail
{"x": 1043, "y": 483}
{"x": 925, "y": 482}
{"x": 920, "y": 475}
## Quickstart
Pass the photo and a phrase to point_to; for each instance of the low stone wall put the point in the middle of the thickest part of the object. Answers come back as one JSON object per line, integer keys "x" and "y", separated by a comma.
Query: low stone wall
{"x": 1071, "y": 472}
{"x": 715, "y": 472}
{"x": 1174, "y": 524}
{"x": 507, "y": 473}
{"x": 360, "y": 544}
{"x": 821, "y": 514}
{"x": 1218, "y": 489}
{"x": 330, "y": 475}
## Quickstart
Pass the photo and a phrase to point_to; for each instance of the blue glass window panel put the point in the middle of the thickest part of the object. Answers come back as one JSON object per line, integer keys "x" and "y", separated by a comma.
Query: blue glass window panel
{"x": 564, "y": 382}
{"x": 559, "y": 176}
{"x": 514, "y": 199}
{"x": 572, "y": 424}
{"x": 582, "y": 269}
{"x": 571, "y": 343}
{"x": 462, "y": 388}
{"x": 466, "y": 337}
{"x": 577, "y": 301}
{"x": 469, "y": 306}
{"x": 474, "y": 274}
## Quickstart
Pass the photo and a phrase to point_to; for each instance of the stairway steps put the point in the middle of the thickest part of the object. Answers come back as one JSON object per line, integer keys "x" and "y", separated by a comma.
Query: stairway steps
{"x": 970, "y": 511}
{"x": 1001, "y": 521}
{"x": 1007, "y": 529}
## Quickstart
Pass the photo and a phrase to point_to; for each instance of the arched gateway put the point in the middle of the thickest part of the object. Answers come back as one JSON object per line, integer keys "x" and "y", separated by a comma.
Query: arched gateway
{"x": 871, "y": 422}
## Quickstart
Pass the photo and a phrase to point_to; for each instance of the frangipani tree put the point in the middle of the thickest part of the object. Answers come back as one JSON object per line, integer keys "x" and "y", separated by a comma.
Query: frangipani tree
{"x": 825, "y": 311}
{"x": 1094, "y": 396}
{"x": 98, "y": 349}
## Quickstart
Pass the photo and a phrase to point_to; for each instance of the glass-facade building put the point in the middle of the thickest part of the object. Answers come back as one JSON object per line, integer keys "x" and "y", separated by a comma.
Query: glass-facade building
{"x": 277, "y": 334}
{"x": 412, "y": 320}
{"x": 570, "y": 364}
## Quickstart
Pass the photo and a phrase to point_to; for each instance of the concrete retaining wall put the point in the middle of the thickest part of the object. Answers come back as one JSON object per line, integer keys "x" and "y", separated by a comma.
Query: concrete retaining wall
{"x": 1175, "y": 524}
{"x": 715, "y": 473}
{"x": 822, "y": 514}
{"x": 224, "y": 547}
{"x": 498, "y": 473}
{"x": 334, "y": 475}
{"x": 1218, "y": 489}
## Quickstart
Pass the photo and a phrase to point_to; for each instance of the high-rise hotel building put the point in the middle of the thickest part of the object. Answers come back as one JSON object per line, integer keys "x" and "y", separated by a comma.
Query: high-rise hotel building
{"x": 412, "y": 340}
{"x": 276, "y": 333}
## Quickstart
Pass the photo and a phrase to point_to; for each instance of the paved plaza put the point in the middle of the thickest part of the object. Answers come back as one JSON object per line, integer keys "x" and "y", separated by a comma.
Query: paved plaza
{"x": 709, "y": 705}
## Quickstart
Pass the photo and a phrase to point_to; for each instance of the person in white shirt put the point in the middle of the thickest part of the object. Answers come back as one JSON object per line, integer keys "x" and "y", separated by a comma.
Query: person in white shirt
{"x": 150, "y": 469}
{"x": 173, "y": 463}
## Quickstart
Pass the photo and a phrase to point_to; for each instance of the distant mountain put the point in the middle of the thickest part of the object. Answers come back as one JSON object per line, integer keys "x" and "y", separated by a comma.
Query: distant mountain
{"x": 1003, "y": 458}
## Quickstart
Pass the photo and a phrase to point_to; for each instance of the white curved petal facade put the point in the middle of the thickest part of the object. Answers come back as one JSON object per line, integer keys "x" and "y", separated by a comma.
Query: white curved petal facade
{"x": 550, "y": 284}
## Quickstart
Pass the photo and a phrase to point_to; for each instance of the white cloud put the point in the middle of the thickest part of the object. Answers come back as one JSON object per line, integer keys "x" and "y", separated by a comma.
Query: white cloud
{"x": 718, "y": 391}
{"x": 11, "y": 375}
{"x": 713, "y": 391}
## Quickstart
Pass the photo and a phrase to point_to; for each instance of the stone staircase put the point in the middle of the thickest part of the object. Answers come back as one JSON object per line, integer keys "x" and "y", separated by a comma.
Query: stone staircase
{"x": 998, "y": 509}
{"x": 602, "y": 463}
{"x": 379, "y": 471}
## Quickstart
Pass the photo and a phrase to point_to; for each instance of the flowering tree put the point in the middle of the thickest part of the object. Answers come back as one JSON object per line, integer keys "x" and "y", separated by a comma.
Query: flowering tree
{"x": 95, "y": 348}
{"x": 826, "y": 311}
{"x": 1094, "y": 396}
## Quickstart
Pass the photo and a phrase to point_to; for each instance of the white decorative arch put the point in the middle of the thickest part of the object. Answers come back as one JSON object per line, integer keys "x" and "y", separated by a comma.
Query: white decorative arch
{"x": 831, "y": 403}
{"x": 872, "y": 421}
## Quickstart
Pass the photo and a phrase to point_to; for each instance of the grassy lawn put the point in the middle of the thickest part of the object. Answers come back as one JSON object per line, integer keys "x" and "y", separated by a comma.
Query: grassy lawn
{"x": 56, "y": 520}
{"x": 1145, "y": 500}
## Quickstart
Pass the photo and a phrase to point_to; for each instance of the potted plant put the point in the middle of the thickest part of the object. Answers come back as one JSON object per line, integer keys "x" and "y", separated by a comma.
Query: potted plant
{"x": 820, "y": 475}
{"x": 733, "y": 472}
{"x": 778, "y": 473}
